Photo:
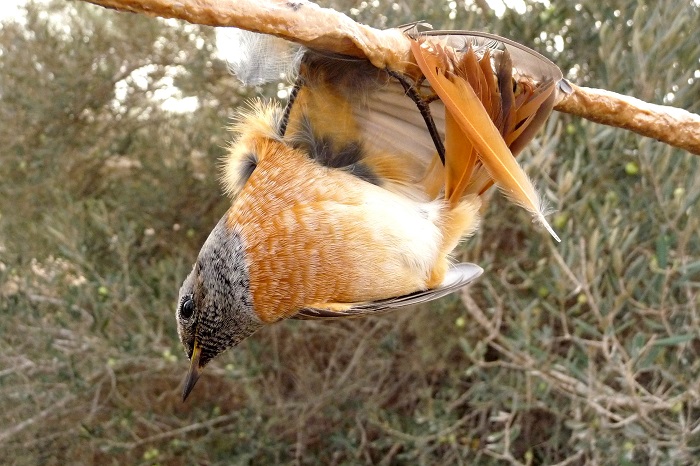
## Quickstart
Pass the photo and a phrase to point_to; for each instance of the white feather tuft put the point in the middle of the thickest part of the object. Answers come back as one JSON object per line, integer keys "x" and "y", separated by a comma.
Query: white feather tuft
{"x": 539, "y": 210}
{"x": 257, "y": 59}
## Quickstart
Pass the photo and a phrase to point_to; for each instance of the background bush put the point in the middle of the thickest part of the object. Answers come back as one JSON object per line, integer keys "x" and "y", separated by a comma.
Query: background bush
{"x": 584, "y": 352}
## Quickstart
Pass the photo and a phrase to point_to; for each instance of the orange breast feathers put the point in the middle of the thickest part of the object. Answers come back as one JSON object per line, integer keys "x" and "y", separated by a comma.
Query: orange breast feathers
{"x": 320, "y": 237}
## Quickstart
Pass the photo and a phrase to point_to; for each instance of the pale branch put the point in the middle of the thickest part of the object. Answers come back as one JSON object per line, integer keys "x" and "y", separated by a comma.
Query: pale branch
{"x": 308, "y": 24}
{"x": 298, "y": 21}
{"x": 671, "y": 125}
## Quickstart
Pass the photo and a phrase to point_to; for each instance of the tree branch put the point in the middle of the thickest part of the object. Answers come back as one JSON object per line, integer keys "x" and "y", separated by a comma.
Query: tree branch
{"x": 298, "y": 21}
{"x": 671, "y": 125}
{"x": 325, "y": 29}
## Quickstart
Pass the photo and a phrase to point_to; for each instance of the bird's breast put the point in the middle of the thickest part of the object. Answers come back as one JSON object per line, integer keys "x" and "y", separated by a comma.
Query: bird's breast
{"x": 317, "y": 235}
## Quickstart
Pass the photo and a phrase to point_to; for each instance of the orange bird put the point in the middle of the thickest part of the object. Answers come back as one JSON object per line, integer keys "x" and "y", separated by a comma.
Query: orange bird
{"x": 349, "y": 201}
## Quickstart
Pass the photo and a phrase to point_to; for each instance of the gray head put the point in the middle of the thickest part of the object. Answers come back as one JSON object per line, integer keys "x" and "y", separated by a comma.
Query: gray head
{"x": 215, "y": 307}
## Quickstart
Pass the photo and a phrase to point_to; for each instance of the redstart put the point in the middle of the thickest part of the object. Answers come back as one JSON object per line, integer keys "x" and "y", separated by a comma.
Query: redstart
{"x": 350, "y": 200}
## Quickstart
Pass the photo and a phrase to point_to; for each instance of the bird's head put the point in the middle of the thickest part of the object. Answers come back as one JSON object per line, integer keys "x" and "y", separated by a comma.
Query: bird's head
{"x": 215, "y": 308}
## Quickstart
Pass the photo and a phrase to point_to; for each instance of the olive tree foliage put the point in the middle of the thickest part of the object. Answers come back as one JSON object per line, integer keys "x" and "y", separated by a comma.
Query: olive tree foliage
{"x": 86, "y": 117}
{"x": 584, "y": 352}
{"x": 112, "y": 126}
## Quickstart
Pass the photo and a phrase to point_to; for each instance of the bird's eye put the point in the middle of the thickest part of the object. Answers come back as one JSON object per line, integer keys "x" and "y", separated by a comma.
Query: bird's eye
{"x": 187, "y": 307}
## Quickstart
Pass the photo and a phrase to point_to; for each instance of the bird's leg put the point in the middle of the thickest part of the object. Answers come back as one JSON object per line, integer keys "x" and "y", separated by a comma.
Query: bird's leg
{"x": 290, "y": 103}
{"x": 429, "y": 98}
{"x": 422, "y": 102}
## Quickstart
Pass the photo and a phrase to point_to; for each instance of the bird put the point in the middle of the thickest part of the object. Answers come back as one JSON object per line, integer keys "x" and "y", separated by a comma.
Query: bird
{"x": 349, "y": 200}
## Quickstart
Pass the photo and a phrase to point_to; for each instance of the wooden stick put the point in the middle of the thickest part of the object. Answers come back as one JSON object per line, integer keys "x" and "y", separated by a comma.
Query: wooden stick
{"x": 671, "y": 125}
{"x": 298, "y": 21}
{"x": 308, "y": 24}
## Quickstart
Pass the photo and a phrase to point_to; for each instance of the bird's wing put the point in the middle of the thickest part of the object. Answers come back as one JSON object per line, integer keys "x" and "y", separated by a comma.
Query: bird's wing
{"x": 457, "y": 276}
{"x": 526, "y": 62}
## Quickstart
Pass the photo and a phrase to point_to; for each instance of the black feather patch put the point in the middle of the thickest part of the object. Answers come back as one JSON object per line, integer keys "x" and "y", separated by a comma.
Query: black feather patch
{"x": 250, "y": 161}
{"x": 353, "y": 77}
{"x": 348, "y": 157}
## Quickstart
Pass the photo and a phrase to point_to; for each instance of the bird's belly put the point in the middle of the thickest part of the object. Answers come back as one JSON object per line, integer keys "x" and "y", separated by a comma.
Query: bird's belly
{"x": 382, "y": 248}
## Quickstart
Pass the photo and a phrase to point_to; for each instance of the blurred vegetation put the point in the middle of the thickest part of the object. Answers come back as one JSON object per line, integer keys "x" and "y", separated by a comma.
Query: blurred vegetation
{"x": 584, "y": 352}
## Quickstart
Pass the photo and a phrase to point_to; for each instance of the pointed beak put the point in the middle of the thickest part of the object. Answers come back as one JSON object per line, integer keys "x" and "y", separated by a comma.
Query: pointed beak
{"x": 194, "y": 372}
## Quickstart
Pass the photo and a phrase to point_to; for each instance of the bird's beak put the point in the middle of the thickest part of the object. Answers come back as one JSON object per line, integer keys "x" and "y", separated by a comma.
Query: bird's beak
{"x": 194, "y": 372}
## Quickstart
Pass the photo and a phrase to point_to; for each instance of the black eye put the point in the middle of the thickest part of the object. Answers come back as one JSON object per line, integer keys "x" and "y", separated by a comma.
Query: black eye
{"x": 187, "y": 307}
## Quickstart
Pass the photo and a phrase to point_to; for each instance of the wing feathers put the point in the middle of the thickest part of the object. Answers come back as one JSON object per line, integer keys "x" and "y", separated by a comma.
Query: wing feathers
{"x": 457, "y": 276}
{"x": 460, "y": 159}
